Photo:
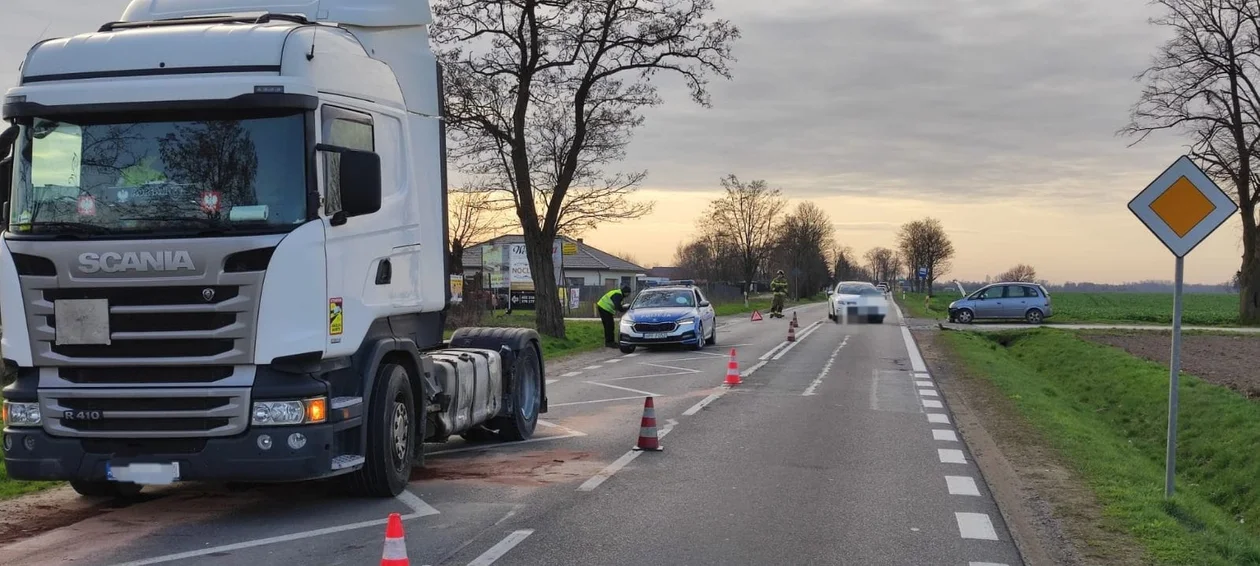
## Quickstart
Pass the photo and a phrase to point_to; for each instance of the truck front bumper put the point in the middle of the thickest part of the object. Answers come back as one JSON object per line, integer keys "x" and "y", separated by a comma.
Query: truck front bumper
{"x": 32, "y": 454}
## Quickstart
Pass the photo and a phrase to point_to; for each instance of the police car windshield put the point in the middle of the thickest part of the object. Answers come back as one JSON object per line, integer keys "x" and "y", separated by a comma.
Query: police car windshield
{"x": 665, "y": 298}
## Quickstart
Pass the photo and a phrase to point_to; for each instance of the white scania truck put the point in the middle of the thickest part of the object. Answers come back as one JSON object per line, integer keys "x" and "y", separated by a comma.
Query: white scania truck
{"x": 223, "y": 253}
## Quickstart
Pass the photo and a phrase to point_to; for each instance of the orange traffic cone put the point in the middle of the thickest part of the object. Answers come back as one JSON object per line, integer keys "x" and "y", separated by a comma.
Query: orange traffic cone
{"x": 395, "y": 553}
{"x": 647, "y": 429}
{"x": 756, "y": 317}
{"x": 732, "y": 370}
{"x": 794, "y": 323}
{"x": 791, "y": 334}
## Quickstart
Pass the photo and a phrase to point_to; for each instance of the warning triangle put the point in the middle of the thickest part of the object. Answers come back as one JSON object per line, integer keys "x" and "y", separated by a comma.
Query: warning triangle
{"x": 756, "y": 316}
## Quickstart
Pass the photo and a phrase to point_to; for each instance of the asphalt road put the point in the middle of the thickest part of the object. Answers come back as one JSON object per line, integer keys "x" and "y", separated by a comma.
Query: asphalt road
{"x": 833, "y": 451}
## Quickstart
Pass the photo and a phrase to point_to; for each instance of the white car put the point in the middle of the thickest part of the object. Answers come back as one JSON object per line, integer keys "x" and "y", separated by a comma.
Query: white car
{"x": 857, "y": 300}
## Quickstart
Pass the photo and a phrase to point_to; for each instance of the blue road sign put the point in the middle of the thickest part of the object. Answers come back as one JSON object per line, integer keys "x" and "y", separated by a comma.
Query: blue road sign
{"x": 922, "y": 273}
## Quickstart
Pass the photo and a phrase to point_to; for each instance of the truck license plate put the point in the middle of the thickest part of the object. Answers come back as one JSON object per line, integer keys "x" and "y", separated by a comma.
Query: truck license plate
{"x": 656, "y": 335}
{"x": 143, "y": 473}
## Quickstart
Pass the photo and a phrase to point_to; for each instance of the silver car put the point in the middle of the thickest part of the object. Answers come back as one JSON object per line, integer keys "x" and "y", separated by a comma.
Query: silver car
{"x": 1027, "y": 301}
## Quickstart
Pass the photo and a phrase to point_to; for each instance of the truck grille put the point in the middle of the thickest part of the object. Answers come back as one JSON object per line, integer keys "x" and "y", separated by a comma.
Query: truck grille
{"x": 145, "y": 413}
{"x": 655, "y": 327}
{"x": 132, "y": 375}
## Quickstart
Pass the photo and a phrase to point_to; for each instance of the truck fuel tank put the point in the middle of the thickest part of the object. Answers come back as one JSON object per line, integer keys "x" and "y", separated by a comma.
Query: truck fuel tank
{"x": 473, "y": 379}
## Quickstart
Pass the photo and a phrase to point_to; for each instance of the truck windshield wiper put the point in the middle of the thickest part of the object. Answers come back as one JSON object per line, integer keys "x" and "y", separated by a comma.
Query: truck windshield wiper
{"x": 69, "y": 228}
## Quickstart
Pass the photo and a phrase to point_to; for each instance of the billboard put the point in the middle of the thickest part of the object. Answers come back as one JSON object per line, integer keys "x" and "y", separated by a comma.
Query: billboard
{"x": 519, "y": 275}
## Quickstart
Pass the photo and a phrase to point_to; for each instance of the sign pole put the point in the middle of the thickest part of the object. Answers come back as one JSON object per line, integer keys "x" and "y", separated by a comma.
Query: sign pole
{"x": 1174, "y": 375}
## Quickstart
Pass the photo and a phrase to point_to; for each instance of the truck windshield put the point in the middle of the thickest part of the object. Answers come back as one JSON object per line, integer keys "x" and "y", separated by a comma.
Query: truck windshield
{"x": 199, "y": 174}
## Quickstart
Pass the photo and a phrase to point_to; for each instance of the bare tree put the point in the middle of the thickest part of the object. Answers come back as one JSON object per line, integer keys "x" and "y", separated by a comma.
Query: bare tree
{"x": 883, "y": 263}
{"x": 801, "y": 248}
{"x": 924, "y": 243}
{"x": 1203, "y": 84}
{"x": 748, "y": 216}
{"x": 626, "y": 256}
{"x": 1022, "y": 273}
{"x": 542, "y": 95}
{"x": 845, "y": 266}
{"x": 474, "y": 217}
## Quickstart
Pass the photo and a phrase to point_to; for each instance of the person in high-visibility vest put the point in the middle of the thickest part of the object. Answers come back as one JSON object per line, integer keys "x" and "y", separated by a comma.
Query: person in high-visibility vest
{"x": 778, "y": 286}
{"x": 611, "y": 303}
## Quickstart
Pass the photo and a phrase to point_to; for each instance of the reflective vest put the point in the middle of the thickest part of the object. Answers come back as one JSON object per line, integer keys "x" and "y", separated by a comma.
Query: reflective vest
{"x": 607, "y": 303}
{"x": 779, "y": 285}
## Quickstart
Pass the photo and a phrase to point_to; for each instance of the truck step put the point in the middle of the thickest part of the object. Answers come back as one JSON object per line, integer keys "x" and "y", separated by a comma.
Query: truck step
{"x": 347, "y": 461}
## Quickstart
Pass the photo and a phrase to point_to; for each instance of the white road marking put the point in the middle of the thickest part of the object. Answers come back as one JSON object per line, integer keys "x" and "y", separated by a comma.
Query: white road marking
{"x": 809, "y": 330}
{"x": 418, "y": 509}
{"x": 951, "y": 456}
{"x": 721, "y": 391}
{"x": 497, "y": 551}
{"x": 825, "y": 370}
{"x": 590, "y": 402}
{"x": 923, "y": 384}
{"x": 975, "y": 526}
{"x": 929, "y": 393}
{"x": 663, "y": 366}
{"x": 928, "y": 403}
{"x": 916, "y": 359}
{"x": 590, "y": 367}
{"x": 619, "y": 463}
{"x": 938, "y": 418}
{"x": 630, "y": 355}
{"x": 568, "y": 433}
{"x": 613, "y": 361}
{"x": 650, "y": 375}
{"x": 944, "y": 435}
{"x": 772, "y": 351}
{"x": 962, "y": 485}
{"x": 922, "y": 375}
{"x": 609, "y": 385}
{"x": 550, "y": 381}
{"x": 571, "y": 374}
{"x": 986, "y": 564}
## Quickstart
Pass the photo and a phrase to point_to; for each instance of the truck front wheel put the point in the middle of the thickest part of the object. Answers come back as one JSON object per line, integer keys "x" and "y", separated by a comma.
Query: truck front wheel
{"x": 527, "y": 391}
{"x": 391, "y": 435}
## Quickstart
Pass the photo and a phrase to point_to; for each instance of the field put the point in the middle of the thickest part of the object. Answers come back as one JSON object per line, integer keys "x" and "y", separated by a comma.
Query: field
{"x": 1104, "y": 411}
{"x": 1133, "y": 308}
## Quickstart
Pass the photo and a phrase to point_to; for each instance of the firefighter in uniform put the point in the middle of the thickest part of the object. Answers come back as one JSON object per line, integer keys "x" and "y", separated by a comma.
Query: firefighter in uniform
{"x": 611, "y": 303}
{"x": 778, "y": 286}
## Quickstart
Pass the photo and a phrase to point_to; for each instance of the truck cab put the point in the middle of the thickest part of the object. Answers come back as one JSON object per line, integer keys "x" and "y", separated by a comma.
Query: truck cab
{"x": 223, "y": 253}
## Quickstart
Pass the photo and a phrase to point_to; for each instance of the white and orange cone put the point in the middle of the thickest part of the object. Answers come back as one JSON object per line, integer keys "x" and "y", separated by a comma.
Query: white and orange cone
{"x": 795, "y": 324}
{"x": 732, "y": 370}
{"x": 648, "y": 440}
{"x": 791, "y": 334}
{"x": 395, "y": 553}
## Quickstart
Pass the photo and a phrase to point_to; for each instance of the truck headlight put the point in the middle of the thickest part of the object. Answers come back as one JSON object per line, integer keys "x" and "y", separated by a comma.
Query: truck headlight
{"x": 21, "y": 414}
{"x": 283, "y": 413}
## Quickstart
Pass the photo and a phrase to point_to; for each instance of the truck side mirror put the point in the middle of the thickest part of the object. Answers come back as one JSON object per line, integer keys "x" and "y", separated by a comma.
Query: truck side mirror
{"x": 6, "y": 172}
{"x": 353, "y": 182}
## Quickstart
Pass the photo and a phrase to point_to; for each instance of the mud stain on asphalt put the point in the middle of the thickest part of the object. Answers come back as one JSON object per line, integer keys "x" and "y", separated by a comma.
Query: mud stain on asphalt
{"x": 532, "y": 469}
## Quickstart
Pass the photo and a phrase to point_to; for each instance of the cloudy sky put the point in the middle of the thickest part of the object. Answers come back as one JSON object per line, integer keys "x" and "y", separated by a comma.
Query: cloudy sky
{"x": 995, "y": 116}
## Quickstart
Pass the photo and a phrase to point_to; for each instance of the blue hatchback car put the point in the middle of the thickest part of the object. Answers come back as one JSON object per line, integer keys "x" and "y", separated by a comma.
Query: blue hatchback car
{"x": 674, "y": 314}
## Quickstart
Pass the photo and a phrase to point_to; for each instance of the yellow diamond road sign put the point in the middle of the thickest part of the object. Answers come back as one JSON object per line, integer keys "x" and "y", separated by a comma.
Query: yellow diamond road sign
{"x": 1182, "y": 207}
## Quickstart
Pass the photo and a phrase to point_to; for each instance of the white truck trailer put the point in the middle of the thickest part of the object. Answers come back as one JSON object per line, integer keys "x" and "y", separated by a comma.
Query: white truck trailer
{"x": 223, "y": 254}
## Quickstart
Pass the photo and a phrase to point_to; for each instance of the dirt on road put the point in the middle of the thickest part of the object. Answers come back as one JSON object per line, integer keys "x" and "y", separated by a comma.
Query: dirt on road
{"x": 1229, "y": 361}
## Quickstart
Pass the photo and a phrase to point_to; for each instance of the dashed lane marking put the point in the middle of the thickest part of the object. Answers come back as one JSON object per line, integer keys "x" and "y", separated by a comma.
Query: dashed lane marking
{"x": 503, "y": 547}
{"x": 927, "y": 403}
{"x": 944, "y": 435}
{"x": 962, "y": 485}
{"x": 418, "y": 509}
{"x": 588, "y": 368}
{"x": 951, "y": 456}
{"x": 572, "y": 373}
{"x": 801, "y": 338}
{"x": 986, "y": 564}
{"x": 825, "y": 370}
{"x": 929, "y": 393}
{"x": 975, "y": 526}
{"x": 722, "y": 390}
{"x": 550, "y": 381}
{"x": 923, "y": 384}
{"x": 938, "y": 418}
{"x": 619, "y": 463}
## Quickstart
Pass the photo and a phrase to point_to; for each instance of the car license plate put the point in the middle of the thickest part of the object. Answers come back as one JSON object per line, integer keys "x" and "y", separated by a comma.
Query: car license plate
{"x": 143, "y": 473}
{"x": 656, "y": 335}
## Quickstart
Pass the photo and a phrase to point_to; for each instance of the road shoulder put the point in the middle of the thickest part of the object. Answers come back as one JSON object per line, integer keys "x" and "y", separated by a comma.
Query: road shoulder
{"x": 1051, "y": 513}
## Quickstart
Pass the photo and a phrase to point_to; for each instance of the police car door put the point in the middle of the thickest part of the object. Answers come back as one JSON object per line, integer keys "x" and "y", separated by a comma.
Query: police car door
{"x": 706, "y": 310}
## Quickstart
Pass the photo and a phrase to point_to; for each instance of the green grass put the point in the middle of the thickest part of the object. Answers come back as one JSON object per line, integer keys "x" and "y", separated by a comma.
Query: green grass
{"x": 1204, "y": 309}
{"x": 13, "y": 488}
{"x": 580, "y": 335}
{"x": 1105, "y": 411}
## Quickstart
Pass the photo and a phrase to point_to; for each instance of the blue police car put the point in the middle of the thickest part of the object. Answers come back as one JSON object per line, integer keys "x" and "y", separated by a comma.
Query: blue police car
{"x": 674, "y": 313}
